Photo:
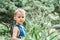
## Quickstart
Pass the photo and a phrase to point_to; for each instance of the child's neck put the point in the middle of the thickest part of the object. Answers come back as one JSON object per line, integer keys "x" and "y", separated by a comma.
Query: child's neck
{"x": 20, "y": 24}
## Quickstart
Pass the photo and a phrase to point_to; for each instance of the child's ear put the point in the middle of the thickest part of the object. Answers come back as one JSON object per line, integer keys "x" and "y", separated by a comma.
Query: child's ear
{"x": 14, "y": 18}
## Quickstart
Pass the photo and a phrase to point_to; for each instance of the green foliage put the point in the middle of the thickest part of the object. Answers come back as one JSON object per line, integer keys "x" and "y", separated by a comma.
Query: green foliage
{"x": 4, "y": 29}
{"x": 5, "y": 32}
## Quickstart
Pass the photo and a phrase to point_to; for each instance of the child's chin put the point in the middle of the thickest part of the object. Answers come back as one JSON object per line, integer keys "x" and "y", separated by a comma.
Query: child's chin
{"x": 20, "y": 23}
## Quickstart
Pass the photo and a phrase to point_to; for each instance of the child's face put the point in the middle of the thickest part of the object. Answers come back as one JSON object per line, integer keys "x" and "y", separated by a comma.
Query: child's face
{"x": 19, "y": 18}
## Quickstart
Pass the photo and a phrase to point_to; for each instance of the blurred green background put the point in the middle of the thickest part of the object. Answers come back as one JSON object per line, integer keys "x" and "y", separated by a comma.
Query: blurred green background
{"x": 41, "y": 16}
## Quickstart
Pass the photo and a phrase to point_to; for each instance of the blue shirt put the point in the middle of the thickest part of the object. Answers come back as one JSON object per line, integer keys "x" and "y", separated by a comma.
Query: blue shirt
{"x": 22, "y": 30}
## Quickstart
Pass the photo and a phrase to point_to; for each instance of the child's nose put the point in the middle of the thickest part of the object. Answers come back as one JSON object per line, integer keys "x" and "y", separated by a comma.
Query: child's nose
{"x": 20, "y": 18}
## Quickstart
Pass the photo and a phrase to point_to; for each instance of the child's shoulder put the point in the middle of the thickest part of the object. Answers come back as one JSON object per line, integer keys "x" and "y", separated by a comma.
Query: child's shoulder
{"x": 15, "y": 28}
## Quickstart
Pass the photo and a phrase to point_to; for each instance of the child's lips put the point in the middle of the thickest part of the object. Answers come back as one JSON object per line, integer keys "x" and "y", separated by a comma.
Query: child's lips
{"x": 20, "y": 21}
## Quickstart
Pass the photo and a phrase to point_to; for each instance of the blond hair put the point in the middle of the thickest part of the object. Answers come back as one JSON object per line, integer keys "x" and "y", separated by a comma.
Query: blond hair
{"x": 19, "y": 10}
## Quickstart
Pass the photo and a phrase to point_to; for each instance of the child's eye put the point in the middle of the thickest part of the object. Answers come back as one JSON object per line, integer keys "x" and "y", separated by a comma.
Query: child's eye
{"x": 18, "y": 17}
{"x": 22, "y": 17}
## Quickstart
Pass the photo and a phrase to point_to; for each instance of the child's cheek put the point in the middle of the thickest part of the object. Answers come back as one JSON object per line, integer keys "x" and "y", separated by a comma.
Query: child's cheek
{"x": 23, "y": 20}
